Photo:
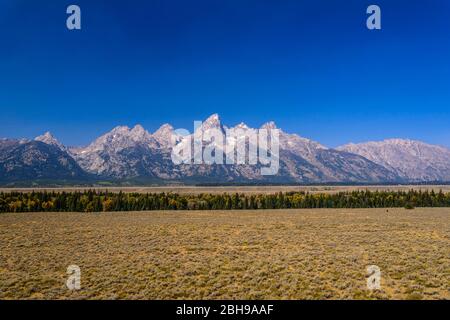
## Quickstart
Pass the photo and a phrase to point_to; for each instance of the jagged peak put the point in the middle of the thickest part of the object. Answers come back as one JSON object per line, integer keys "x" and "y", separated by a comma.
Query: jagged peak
{"x": 214, "y": 116}
{"x": 138, "y": 127}
{"x": 125, "y": 130}
{"x": 48, "y": 138}
{"x": 163, "y": 129}
{"x": 241, "y": 125}
{"x": 212, "y": 121}
{"x": 139, "y": 133}
{"x": 269, "y": 125}
{"x": 48, "y": 134}
{"x": 119, "y": 129}
{"x": 121, "y": 136}
{"x": 164, "y": 134}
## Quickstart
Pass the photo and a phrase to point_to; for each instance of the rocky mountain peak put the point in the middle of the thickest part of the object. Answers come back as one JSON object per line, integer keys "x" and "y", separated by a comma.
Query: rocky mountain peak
{"x": 138, "y": 133}
{"x": 138, "y": 129}
{"x": 241, "y": 125}
{"x": 163, "y": 130}
{"x": 49, "y": 139}
{"x": 269, "y": 125}
{"x": 164, "y": 135}
{"x": 130, "y": 153}
{"x": 120, "y": 129}
{"x": 213, "y": 121}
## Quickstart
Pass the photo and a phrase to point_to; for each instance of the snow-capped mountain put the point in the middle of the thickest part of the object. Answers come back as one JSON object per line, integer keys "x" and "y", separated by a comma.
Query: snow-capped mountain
{"x": 48, "y": 138}
{"x": 121, "y": 153}
{"x": 411, "y": 160}
{"x": 136, "y": 155}
{"x": 213, "y": 121}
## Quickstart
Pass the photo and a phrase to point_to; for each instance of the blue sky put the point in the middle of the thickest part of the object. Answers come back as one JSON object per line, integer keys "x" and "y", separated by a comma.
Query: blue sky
{"x": 311, "y": 66}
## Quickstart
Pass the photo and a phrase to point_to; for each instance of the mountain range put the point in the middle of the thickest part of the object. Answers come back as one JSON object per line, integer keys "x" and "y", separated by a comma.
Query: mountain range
{"x": 134, "y": 156}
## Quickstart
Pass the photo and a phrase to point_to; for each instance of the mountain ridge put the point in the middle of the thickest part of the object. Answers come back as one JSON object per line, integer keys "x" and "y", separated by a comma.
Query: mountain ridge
{"x": 411, "y": 159}
{"x": 132, "y": 153}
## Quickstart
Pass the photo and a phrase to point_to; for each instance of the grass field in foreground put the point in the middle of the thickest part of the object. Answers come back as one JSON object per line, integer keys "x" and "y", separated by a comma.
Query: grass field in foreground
{"x": 265, "y": 254}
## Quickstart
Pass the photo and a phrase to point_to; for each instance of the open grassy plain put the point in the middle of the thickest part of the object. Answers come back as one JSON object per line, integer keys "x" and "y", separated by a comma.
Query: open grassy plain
{"x": 264, "y": 254}
{"x": 241, "y": 189}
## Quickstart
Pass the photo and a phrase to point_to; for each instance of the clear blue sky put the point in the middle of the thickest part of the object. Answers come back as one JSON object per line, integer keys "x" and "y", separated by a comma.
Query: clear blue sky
{"x": 311, "y": 66}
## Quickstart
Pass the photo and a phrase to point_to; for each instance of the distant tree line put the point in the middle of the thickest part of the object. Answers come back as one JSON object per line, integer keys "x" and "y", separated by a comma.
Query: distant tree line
{"x": 96, "y": 201}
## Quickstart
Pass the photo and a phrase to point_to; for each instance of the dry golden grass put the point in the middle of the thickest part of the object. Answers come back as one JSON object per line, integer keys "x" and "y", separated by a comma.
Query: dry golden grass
{"x": 274, "y": 254}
